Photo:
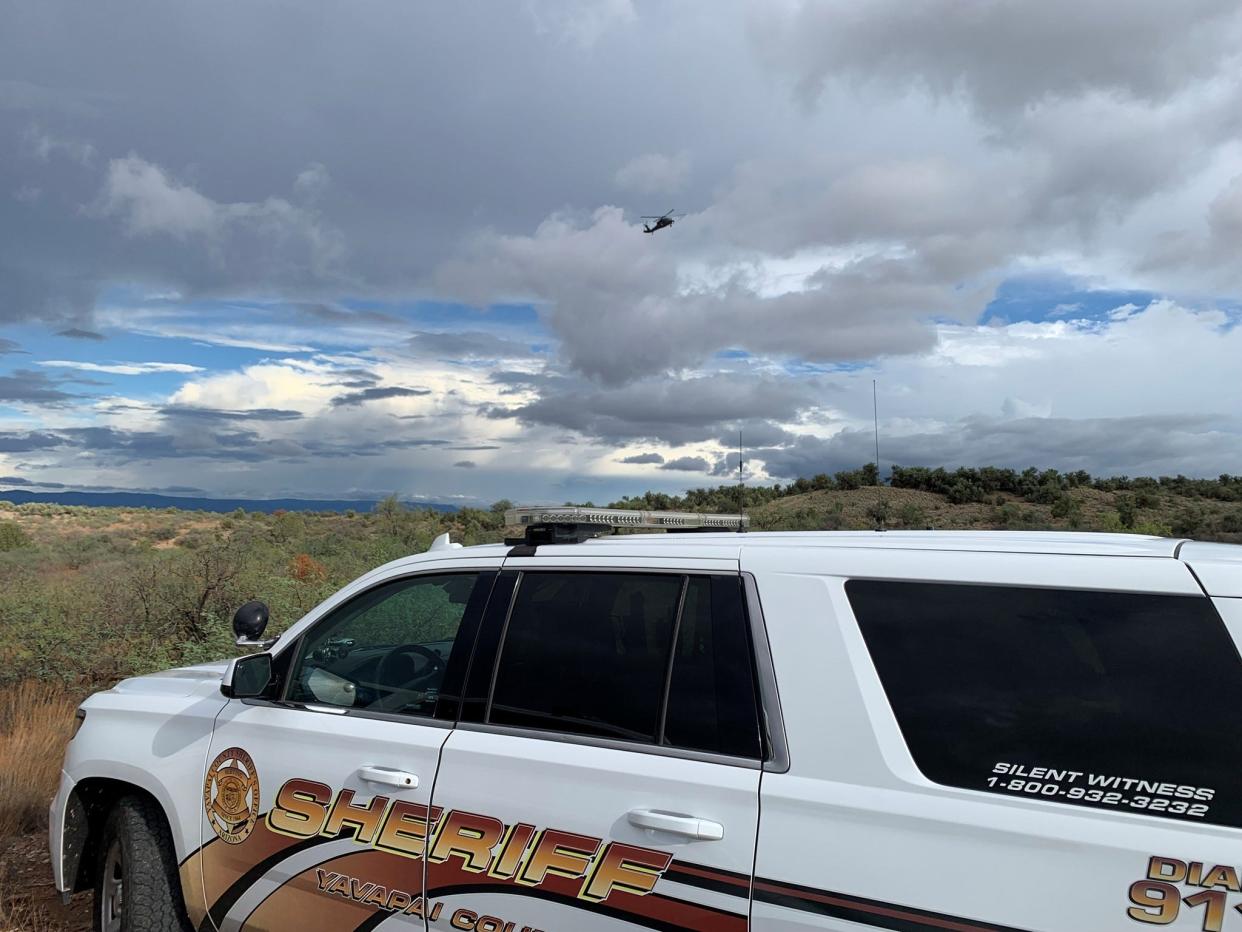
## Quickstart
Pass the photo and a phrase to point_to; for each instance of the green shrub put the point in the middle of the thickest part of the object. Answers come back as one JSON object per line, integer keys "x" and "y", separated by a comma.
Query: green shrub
{"x": 912, "y": 515}
{"x": 12, "y": 536}
{"x": 1127, "y": 509}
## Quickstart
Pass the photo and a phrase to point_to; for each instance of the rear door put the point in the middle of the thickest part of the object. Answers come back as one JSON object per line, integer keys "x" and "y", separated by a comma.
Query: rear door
{"x": 1037, "y": 742}
{"x": 315, "y": 802}
{"x": 606, "y": 771}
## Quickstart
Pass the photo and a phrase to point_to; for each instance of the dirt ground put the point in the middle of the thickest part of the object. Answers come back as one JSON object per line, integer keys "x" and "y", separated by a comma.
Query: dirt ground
{"x": 28, "y": 901}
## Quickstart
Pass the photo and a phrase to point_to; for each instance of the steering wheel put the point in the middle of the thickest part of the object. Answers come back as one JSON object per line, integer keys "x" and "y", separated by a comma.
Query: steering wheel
{"x": 397, "y": 672}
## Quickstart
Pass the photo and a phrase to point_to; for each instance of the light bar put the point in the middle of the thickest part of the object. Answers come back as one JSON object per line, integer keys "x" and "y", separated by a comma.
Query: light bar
{"x": 616, "y": 518}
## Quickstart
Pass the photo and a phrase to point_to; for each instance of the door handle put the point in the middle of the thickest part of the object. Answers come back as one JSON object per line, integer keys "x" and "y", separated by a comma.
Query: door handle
{"x": 676, "y": 823}
{"x": 387, "y": 776}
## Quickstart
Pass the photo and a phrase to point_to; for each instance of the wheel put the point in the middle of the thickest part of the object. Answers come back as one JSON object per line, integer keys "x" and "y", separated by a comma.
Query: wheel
{"x": 136, "y": 884}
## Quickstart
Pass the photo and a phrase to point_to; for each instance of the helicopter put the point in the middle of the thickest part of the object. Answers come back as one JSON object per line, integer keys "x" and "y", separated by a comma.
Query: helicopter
{"x": 665, "y": 220}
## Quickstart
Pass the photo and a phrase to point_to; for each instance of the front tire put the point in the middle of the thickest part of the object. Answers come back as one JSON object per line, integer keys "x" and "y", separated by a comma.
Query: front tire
{"x": 137, "y": 888}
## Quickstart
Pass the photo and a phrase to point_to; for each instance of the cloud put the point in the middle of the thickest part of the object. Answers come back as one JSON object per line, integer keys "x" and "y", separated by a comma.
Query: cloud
{"x": 1003, "y": 58}
{"x": 24, "y": 386}
{"x": 43, "y": 146}
{"x": 271, "y": 240}
{"x": 312, "y": 182}
{"x": 1135, "y": 445}
{"x": 123, "y": 368}
{"x": 675, "y": 411}
{"x": 465, "y": 464}
{"x": 579, "y": 22}
{"x": 377, "y": 394}
{"x": 77, "y": 333}
{"x": 654, "y": 173}
{"x": 643, "y": 459}
{"x": 28, "y": 442}
{"x": 9, "y": 346}
{"x": 467, "y": 344}
{"x": 688, "y": 464}
{"x": 618, "y": 304}
{"x": 194, "y": 412}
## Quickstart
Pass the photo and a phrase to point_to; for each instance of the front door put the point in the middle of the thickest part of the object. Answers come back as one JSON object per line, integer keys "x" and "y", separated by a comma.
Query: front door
{"x": 611, "y": 778}
{"x": 315, "y": 804}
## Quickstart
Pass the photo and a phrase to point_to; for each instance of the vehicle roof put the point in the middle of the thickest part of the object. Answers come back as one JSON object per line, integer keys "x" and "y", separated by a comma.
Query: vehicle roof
{"x": 1082, "y": 543}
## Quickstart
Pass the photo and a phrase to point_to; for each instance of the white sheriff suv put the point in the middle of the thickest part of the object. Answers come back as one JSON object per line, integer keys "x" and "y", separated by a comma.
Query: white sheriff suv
{"x": 720, "y": 731}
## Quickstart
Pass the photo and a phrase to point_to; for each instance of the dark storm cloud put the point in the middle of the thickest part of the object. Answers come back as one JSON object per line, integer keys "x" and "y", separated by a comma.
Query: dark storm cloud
{"x": 28, "y": 387}
{"x": 672, "y": 410}
{"x": 688, "y": 464}
{"x": 190, "y": 441}
{"x": 8, "y": 346}
{"x": 643, "y": 459}
{"x": 377, "y": 394}
{"x": 469, "y": 344}
{"x": 29, "y": 442}
{"x": 77, "y": 333}
{"x": 14, "y": 480}
{"x": 1141, "y": 445}
{"x": 355, "y": 378}
{"x": 465, "y": 464}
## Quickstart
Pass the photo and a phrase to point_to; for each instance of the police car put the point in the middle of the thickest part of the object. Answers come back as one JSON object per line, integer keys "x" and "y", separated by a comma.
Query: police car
{"x": 673, "y": 731}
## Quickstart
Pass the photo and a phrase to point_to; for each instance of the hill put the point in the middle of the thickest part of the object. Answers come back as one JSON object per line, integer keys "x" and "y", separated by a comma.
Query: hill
{"x": 187, "y": 503}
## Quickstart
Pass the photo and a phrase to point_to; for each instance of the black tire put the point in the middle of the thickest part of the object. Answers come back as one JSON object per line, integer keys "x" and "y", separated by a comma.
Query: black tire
{"x": 137, "y": 851}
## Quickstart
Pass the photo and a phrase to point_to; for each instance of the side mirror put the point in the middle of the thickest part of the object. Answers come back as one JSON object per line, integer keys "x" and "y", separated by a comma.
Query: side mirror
{"x": 248, "y": 625}
{"x": 247, "y": 677}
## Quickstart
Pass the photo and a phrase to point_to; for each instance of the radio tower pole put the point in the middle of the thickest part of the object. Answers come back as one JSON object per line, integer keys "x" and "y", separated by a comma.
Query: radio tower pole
{"x": 741, "y": 482}
{"x": 879, "y": 492}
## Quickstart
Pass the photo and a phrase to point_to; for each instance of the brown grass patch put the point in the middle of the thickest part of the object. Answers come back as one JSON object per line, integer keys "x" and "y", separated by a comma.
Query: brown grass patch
{"x": 36, "y": 720}
{"x": 22, "y": 913}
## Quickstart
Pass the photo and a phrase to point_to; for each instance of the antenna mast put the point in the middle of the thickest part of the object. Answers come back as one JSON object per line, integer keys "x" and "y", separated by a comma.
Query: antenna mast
{"x": 875, "y": 415}
{"x": 741, "y": 481}
{"x": 879, "y": 494}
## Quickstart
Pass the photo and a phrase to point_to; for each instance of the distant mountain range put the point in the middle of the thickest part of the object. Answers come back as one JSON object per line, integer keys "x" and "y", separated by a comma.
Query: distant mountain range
{"x": 189, "y": 503}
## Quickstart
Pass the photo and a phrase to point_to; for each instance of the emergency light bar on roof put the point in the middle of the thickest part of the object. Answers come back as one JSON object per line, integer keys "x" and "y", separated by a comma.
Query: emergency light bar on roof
{"x": 571, "y": 524}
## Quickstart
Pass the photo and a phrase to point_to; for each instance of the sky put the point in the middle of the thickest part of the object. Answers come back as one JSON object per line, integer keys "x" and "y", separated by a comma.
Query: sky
{"x": 256, "y": 248}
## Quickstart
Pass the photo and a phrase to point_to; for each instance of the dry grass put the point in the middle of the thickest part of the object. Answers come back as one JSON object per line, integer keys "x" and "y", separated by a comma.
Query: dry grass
{"x": 23, "y": 914}
{"x": 36, "y": 719}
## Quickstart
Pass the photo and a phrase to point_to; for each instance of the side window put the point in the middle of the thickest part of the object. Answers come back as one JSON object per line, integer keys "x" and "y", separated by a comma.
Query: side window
{"x": 712, "y": 699}
{"x": 385, "y": 650}
{"x": 1102, "y": 699}
{"x": 660, "y": 659}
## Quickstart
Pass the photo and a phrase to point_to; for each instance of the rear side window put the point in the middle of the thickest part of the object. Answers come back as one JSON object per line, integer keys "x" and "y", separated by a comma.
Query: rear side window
{"x": 657, "y": 659}
{"x": 1107, "y": 699}
{"x": 712, "y": 702}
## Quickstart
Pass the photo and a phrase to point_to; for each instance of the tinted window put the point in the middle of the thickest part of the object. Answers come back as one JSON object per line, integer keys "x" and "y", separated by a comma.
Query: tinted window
{"x": 712, "y": 704}
{"x": 385, "y": 650}
{"x": 587, "y": 653}
{"x": 1093, "y": 698}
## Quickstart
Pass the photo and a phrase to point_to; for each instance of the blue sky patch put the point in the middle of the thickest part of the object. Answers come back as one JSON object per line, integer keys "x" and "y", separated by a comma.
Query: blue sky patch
{"x": 1049, "y": 297}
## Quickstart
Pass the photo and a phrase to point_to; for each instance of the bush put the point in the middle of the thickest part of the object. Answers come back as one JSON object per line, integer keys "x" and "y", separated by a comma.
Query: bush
{"x": 912, "y": 516}
{"x": 1187, "y": 522}
{"x": 878, "y": 513}
{"x": 12, "y": 536}
{"x": 1127, "y": 510}
{"x": 1066, "y": 508}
